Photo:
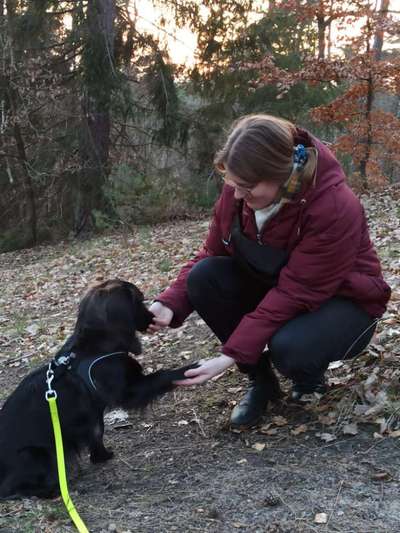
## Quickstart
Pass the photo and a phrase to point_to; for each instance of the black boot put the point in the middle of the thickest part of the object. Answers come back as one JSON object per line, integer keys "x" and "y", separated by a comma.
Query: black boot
{"x": 303, "y": 391}
{"x": 264, "y": 387}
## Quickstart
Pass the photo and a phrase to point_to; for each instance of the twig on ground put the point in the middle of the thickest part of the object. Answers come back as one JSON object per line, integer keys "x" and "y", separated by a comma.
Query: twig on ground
{"x": 199, "y": 423}
{"x": 16, "y": 359}
{"x": 334, "y": 505}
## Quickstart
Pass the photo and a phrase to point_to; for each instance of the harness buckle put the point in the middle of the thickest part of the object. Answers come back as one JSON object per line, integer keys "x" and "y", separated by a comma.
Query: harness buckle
{"x": 64, "y": 359}
{"x": 50, "y": 393}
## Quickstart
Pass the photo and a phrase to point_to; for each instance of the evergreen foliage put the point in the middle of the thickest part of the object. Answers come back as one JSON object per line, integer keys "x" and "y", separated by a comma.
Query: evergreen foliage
{"x": 98, "y": 126}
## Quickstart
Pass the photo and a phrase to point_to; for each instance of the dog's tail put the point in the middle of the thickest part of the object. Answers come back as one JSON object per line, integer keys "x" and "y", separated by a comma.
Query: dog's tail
{"x": 155, "y": 385}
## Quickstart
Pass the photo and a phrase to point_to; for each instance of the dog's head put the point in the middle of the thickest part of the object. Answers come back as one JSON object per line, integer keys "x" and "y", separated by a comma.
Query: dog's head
{"x": 109, "y": 316}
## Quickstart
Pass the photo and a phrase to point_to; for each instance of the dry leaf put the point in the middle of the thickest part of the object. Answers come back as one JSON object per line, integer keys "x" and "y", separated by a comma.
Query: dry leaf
{"x": 218, "y": 376}
{"x": 115, "y": 416}
{"x": 279, "y": 421}
{"x": 381, "y": 476}
{"x": 350, "y": 429}
{"x": 327, "y": 420}
{"x": 265, "y": 428}
{"x": 235, "y": 390}
{"x": 299, "y": 429}
{"x": 32, "y": 329}
{"x": 335, "y": 364}
{"x": 327, "y": 437}
{"x": 361, "y": 409}
{"x": 259, "y": 446}
{"x": 321, "y": 518}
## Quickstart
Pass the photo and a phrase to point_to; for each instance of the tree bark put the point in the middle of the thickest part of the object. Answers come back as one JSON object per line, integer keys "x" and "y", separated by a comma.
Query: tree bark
{"x": 368, "y": 137}
{"x": 378, "y": 38}
{"x": 321, "y": 36}
{"x": 96, "y": 110}
{"x": 10, "y": 99}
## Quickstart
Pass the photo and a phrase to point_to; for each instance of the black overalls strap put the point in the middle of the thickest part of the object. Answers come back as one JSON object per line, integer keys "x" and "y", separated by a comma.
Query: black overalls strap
{"x": 261, "y": 262}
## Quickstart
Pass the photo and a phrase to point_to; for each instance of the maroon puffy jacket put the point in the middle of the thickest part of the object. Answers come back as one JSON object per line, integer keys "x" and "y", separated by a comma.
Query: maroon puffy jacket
{"x": 325, "y": 231}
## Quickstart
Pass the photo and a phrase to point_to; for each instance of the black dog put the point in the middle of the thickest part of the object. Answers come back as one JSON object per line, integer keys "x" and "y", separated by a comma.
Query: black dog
{"x": 92, "y": 371}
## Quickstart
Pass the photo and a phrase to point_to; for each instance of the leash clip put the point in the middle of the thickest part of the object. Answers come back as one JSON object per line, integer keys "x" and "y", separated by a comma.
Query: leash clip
{"x": 50, "y": 393}
{"x": 64, "y": 360}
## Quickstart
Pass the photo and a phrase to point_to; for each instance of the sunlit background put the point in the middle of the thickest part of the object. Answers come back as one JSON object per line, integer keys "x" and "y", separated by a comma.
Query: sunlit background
{"x": 180, "y": 42}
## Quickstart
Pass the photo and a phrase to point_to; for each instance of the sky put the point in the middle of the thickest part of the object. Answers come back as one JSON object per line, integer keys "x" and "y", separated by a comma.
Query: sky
{"x": 181, "y": 42}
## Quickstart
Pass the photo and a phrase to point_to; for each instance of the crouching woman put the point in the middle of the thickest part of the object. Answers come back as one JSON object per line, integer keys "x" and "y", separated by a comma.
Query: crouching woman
{"x": 287, "y": 275}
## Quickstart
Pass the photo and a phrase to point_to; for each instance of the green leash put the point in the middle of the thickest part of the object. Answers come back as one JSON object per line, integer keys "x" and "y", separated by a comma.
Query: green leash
{"x": 51, "y": 397}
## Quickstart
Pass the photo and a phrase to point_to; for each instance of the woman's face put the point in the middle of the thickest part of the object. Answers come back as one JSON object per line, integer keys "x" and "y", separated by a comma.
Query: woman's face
{"x": 256, "y": 196}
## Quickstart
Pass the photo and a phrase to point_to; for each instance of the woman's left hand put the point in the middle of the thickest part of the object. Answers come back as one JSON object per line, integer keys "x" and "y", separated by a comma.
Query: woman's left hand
{"x": 208, "y": 368}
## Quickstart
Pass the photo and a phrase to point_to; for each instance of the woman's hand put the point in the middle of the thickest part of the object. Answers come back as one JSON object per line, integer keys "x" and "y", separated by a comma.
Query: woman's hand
{"x": 162, "y": 317}
{"x": 208, "y": 368}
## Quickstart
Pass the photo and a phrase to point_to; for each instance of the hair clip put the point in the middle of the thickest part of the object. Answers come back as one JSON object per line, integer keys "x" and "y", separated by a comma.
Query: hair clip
{"x": 300, "y": 156}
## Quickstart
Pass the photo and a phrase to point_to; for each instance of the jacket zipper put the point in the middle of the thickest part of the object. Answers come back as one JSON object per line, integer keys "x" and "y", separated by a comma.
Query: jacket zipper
{"x": 303, "y": 202}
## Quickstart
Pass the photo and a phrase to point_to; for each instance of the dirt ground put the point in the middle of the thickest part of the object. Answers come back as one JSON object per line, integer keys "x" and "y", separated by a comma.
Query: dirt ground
{"x": 177, "y": 466}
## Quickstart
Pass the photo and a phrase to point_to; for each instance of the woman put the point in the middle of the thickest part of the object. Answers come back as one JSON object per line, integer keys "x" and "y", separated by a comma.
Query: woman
{"x": 287, "y": 274}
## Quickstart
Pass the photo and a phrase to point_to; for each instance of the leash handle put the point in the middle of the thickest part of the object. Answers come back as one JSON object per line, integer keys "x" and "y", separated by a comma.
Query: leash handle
{"x": 62, "y": 478}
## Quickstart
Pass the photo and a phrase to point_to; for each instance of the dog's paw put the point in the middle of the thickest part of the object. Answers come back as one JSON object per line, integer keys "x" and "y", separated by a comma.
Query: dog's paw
{"x": 101, "y": 456}
{"x": 179, "y": 373}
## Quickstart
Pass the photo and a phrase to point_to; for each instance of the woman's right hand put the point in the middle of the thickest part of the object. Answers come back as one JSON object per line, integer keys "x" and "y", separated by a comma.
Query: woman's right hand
{"x": 162, "y": 317}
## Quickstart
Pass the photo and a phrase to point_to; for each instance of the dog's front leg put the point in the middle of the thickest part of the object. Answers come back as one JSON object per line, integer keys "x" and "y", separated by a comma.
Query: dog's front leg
{"x": 98, "y": 452}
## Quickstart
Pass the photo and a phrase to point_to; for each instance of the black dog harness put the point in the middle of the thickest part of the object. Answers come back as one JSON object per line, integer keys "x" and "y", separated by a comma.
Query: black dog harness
{"x": 83, "y": 368}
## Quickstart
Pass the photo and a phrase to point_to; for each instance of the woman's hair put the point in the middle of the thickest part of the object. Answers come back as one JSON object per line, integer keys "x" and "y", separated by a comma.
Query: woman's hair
{"x": 260, "y": 148}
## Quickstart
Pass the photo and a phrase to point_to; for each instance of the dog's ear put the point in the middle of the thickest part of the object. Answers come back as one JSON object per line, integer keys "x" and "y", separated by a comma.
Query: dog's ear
{"x": 143, "y": 317}
{"x": 90, "y": 326}
{"x": 109, "y": 315}
{"x": 107, "y": 318}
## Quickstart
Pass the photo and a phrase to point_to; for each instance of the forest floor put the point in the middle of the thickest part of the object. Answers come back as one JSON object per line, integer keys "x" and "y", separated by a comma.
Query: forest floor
{"x": 330, "y": 465}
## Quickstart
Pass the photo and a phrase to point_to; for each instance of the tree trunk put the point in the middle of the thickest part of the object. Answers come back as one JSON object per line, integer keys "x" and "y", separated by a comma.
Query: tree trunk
{"x": 28, "y": 183}
{"x": 368, "y": 138}
{"x": 321, "y": 36}
{"x": 99, "y": 78}
{"x": 10, "y": 101}
{"x": 367, "y": 141}
{"x": 378, "y": 38}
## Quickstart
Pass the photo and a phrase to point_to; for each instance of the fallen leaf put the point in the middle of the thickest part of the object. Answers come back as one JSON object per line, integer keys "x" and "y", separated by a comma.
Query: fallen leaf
{"x": 327, "y": 437}
{"x": 321, "y": 518}
{"x": 327, "y": 420}
{"x": 381, "y": 476}
{"x": 361, "y": 409}
{"x": 335, "y": 364}
{"x": 279, "y": 421}
{"x": 350, "y": 429}
{"x": 32, "y": 329}
{"x": 114, "y": 416}
{"x": 259, "y": 446}
{"x": 299, "y": 429}
{"x": 235, "y": 390}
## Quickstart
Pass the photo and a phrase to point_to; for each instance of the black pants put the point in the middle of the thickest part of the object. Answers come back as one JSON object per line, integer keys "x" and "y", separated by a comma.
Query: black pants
{"x": 302, "y": 348}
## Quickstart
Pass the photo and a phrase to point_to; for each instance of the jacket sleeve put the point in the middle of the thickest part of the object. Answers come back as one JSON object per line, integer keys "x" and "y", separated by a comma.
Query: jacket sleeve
{"x": 175, "y": 297}
{"x": 316, "y": 268}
